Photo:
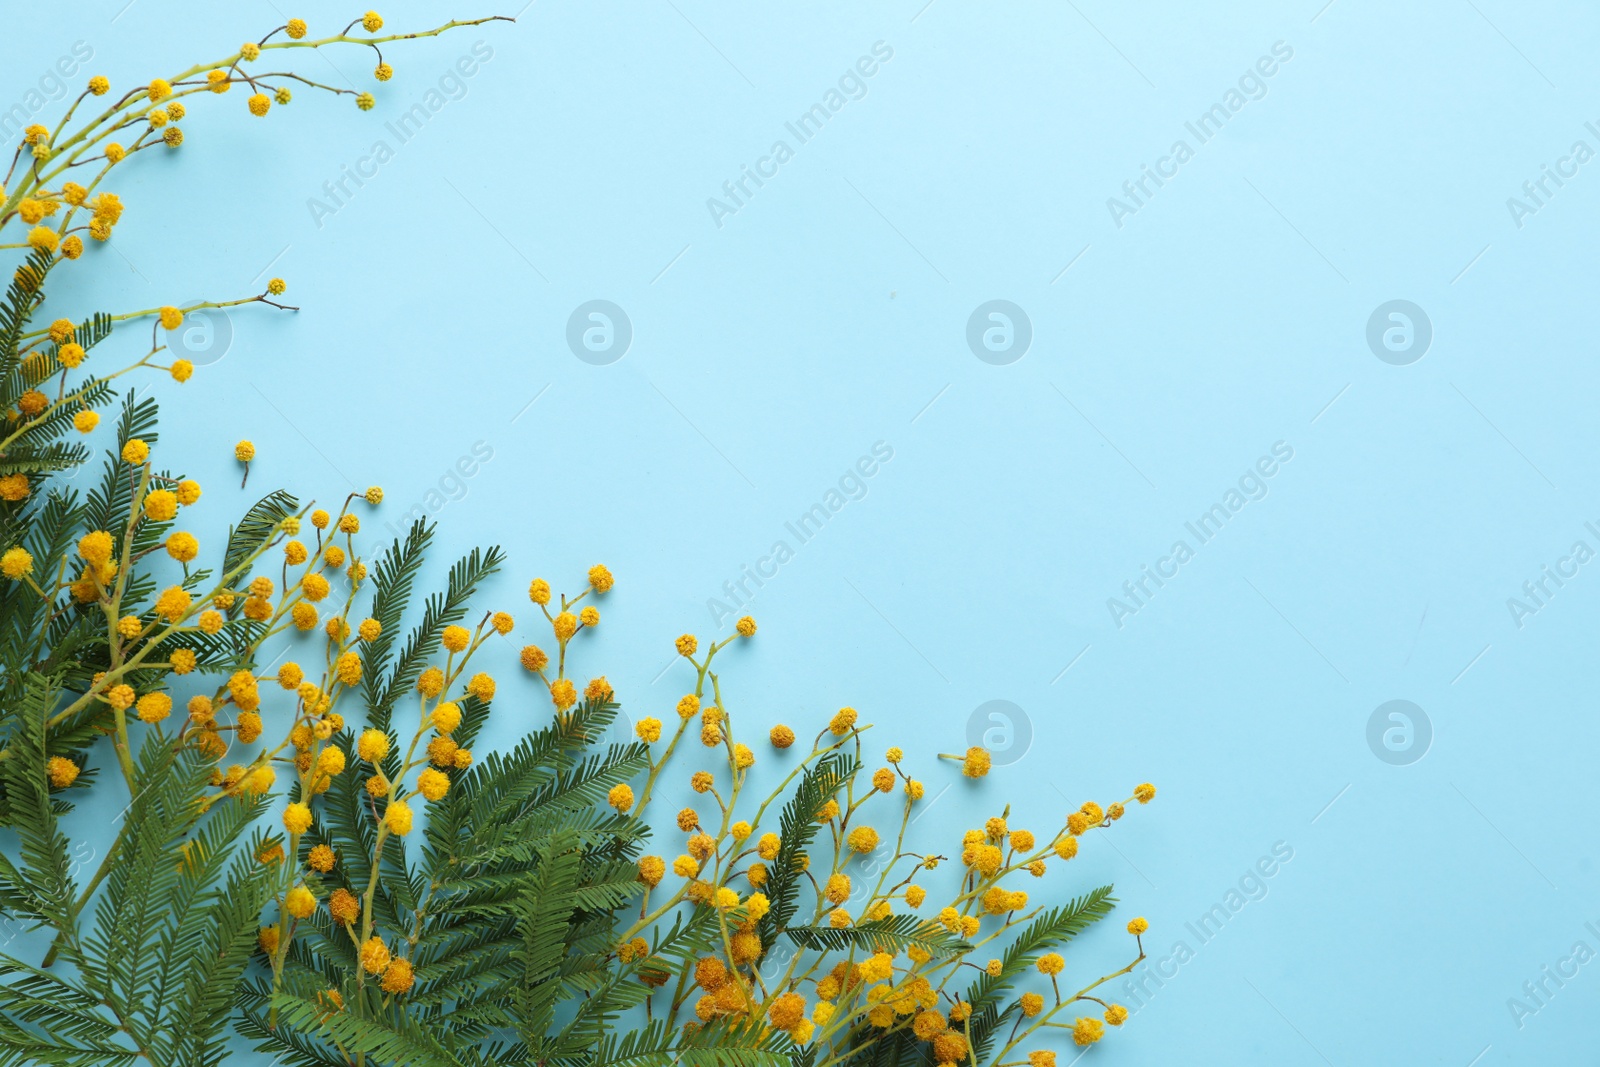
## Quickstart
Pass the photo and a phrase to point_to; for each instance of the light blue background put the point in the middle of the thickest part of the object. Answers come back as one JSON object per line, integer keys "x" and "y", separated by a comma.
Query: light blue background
{"x": 829, "y": 313}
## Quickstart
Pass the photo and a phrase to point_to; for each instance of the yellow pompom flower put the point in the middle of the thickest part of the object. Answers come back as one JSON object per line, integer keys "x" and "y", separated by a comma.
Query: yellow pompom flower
{"x": 446, "y": 717}
{"x": 456, "y": 638}
{"x": 135, "y": 452}
{"x": 16, "y": 563}
{"x": 161, "y": 505}
{"x": 976, "y": 763}
{"x": 863, "y": 839}
{"x": 781, "y": 736}
{"x": 297, "y": 818}
{"x": 1138, "y": 926}
{"x": 600, "y": 579}
{"x": 96, "y": 546}
{"x": 244, "y": 451}
{"x": 398, "y": 976}
{"x": 843, "y": 722}
{"x": 651, "y": 870}
{"x": 787, "y": 1010}
{"x": 837, "y": 888}
{"x": 314, "y": 586}
{"x": 746, "y": 627}
{"x": 348, "y": 668}
{"x": 1116, "y": 1015}
{"x": 1144, "y": 793}
{"x": 153, "y": 707}
{"x": 620, "y": 797}
{"x": 183, "y": 546}
{"x": 687, "y": 645}
{"x": 296, "y": 28}
{"x": 430, "y": 683}
{"x": 397, "y": 817}
{"x": 99, "y": 85}
{"x": 61, "y": 772}
{"x": 1051, "y": 963}
{"x": 433, "y": 784}
{"x": 1087, "y": 1031}
{"x": 649, "y": 730}
{"x": 259, "y": 104}
{"x": 372, "y": 746}
{"x": 372, "y": 22}
{"x": 299, "y": 902}
{"x": 374, "y": 955}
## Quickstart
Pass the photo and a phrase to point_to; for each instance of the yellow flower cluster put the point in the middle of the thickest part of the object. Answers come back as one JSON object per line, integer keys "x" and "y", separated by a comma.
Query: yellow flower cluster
{"x": 729, "y": 866}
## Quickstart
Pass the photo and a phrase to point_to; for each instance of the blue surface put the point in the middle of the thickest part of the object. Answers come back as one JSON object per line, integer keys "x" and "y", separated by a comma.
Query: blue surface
{"x": 774, "y": 344}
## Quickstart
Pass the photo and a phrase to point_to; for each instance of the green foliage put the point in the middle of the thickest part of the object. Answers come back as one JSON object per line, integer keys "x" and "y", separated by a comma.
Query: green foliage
{"x": 154, "y": 960}
{"x": 1048, "y": 931}
{"x": 797, "y": 828}
{"x": 892, "y": 935}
